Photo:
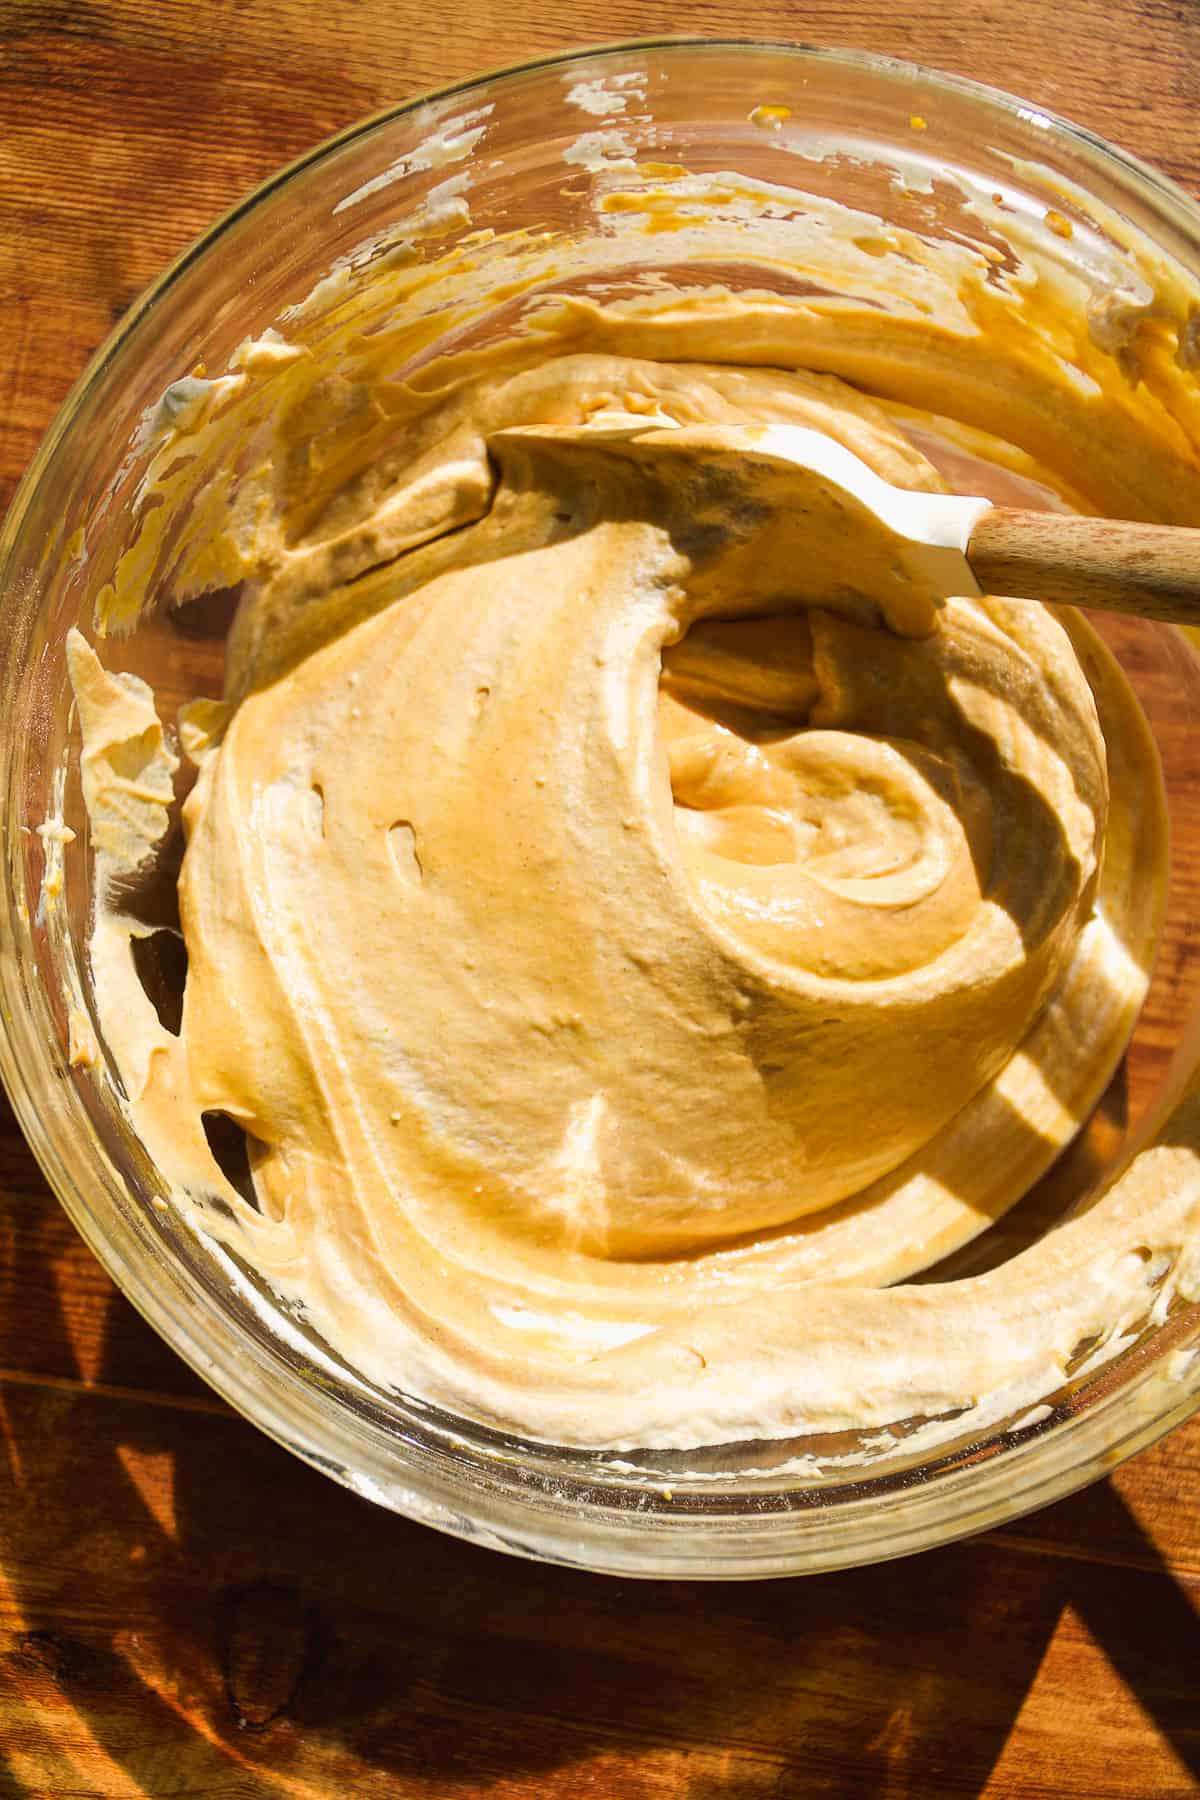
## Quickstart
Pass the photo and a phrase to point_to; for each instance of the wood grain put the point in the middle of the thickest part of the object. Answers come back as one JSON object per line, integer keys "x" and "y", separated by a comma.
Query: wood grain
{"x": 184, "y": 1610}
{"x": 1147, "y": 571}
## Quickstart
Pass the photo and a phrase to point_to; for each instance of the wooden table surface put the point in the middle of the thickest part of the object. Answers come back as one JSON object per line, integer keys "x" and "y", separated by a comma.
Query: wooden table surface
{"x": 184, "y": 1609}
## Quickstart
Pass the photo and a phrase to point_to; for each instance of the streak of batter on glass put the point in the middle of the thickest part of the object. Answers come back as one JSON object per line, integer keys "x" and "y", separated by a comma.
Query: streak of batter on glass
{"x": 634, "y": 929}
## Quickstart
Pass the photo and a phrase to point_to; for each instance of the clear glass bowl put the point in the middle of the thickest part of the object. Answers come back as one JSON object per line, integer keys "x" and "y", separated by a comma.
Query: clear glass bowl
{"x": 737, "y": 1510}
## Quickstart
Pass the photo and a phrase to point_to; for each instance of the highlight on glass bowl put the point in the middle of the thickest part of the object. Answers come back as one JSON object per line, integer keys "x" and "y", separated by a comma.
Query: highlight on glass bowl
{"x": 580, "y": 992}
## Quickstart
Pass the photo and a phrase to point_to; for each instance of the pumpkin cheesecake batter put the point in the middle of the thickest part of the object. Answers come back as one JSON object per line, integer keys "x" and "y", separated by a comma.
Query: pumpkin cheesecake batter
{"x": 635, "y": 930}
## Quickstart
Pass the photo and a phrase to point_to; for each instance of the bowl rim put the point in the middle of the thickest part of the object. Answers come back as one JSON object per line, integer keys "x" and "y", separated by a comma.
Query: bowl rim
{"x": 529, "y": 1522}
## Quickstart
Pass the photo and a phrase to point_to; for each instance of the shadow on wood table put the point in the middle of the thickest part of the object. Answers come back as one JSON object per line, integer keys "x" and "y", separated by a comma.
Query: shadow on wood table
{"x": 189, "y": 1609}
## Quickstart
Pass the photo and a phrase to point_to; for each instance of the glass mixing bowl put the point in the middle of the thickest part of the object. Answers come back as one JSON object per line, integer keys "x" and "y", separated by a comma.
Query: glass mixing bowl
{"x": 859, "y": 129}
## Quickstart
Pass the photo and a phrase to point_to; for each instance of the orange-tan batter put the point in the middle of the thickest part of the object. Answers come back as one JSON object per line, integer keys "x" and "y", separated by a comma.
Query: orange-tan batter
{"x": 633, "y": 931}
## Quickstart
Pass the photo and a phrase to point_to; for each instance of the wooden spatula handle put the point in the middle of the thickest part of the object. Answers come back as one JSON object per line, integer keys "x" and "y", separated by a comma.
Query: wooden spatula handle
{"x": 1150, "y": 570}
